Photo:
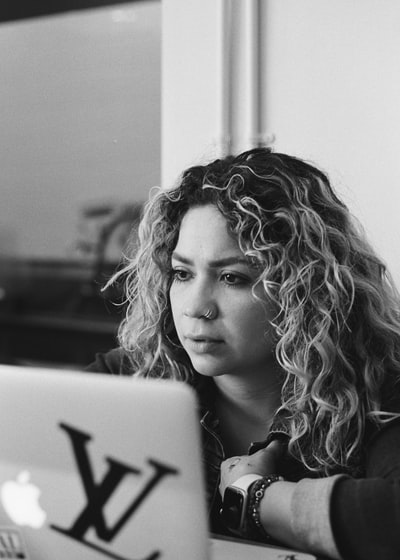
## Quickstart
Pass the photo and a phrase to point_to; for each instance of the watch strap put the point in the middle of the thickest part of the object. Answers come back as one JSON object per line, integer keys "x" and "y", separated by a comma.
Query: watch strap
{"x": 245, "y": 481}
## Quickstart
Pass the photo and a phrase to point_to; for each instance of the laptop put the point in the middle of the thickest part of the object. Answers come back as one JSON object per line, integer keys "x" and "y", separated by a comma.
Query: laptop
{"x": 99, "y": 467}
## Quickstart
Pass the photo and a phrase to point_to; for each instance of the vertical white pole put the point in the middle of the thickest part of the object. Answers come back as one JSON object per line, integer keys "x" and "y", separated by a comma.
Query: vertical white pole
{"x": 252, "y": 79}
{"x": 224, "y": 79}
{"x": 265, "y": 136}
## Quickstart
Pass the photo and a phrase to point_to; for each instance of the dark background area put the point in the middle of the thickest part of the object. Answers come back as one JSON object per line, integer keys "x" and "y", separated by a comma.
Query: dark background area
{"x": 12, "y": 10}
{"x": 56, "y": 313}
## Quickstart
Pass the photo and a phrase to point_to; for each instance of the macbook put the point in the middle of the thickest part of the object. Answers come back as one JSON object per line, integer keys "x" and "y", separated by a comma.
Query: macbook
{"x": 100, "y": 467}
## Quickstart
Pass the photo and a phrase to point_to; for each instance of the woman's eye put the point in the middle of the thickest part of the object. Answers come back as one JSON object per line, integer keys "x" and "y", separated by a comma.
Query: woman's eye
{"x": 234, "y": 279}
{"x": 180, "y": 275}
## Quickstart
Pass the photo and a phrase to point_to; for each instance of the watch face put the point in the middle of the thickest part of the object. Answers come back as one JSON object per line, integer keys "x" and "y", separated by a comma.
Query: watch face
{"x": 232, "y": 508}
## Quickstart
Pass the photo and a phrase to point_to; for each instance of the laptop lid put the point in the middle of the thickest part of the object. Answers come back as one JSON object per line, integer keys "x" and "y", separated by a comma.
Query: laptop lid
{"x": 95, "y": 467}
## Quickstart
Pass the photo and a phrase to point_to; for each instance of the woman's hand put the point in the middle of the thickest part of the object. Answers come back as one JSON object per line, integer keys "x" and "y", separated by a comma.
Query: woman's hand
{"x": 263, "y": 462}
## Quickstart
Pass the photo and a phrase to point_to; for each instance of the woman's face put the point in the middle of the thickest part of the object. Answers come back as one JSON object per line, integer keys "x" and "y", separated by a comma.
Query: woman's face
{"x": 211, "y": 274}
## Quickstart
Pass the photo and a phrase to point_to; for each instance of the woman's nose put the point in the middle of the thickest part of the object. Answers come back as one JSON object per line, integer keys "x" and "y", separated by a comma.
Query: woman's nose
{"x": 201, "y": 304}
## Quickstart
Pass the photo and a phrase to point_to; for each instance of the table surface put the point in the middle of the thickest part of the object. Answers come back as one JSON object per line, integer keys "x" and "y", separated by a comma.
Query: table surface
{"x": 232, "y": 549}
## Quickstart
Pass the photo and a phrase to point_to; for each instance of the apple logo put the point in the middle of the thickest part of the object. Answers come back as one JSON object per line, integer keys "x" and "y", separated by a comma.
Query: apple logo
{"x": 20, "y": 499}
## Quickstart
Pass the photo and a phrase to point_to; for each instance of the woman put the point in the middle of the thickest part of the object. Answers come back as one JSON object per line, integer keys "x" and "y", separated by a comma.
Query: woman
{"x": 252, "y": 283}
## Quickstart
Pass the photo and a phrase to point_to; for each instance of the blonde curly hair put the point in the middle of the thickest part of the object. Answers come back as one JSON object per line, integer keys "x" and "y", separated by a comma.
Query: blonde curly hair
{"x": 338, "y": 327}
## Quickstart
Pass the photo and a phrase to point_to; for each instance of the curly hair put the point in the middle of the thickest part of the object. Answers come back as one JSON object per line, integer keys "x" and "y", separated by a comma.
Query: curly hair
{"x": 338, "y": 325}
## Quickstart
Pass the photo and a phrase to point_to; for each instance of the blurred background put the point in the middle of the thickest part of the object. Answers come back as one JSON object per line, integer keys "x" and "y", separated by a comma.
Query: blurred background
{"x": 79, "y": 150}
{"x": 100, "y": 101}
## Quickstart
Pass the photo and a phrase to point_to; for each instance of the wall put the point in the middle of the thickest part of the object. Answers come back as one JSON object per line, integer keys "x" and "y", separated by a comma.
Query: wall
{"x": 331, "y": 95}
{"x": 80, "y": 121}
{"x": 190, "y": 84}
{"x": 333, "y": 91}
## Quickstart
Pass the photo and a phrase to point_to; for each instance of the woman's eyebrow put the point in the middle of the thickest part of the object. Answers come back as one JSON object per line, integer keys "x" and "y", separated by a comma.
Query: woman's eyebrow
{"x": 226, "y": 261}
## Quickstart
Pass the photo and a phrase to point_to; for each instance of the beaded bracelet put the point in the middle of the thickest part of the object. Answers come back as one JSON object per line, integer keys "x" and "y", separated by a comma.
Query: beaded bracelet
{"x": 256, "y": 495}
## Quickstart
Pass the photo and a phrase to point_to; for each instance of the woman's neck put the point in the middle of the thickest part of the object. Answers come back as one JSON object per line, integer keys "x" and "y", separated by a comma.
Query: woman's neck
{"x": 245, "y": 411}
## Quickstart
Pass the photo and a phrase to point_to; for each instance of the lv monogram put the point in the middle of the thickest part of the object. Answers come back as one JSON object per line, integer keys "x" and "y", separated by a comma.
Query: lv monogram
{"x": 98, "y": 494}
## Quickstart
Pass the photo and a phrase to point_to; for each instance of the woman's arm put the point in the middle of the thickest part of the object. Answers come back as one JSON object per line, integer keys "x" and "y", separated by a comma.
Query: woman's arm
{"x": 296, "y": 514}
{"x": 366, "y": 512}
{"x": 339, "y": 517}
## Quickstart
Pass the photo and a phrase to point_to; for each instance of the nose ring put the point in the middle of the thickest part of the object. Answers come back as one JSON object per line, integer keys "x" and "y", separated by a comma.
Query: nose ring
{"x": 208, "y": 314}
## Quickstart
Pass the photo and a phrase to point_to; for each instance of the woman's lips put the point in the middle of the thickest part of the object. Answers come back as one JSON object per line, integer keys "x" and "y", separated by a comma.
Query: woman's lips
{"x": 202, "y": 344}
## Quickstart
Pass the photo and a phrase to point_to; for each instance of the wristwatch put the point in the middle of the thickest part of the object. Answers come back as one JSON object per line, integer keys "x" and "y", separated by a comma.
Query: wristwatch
{"x": 235, "y": 503}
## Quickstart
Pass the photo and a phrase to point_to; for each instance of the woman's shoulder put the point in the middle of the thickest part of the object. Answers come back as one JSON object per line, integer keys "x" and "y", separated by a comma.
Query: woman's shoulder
{"x": 114, "y": 362}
